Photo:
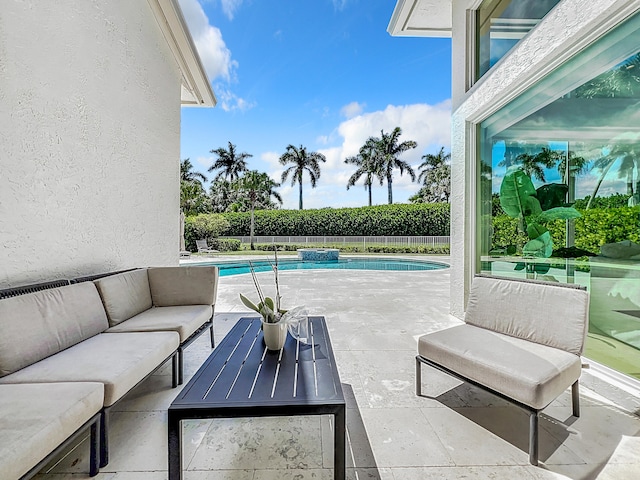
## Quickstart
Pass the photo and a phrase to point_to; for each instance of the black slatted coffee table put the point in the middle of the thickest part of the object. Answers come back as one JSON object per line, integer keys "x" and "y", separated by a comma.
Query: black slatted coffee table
{"x": 242, "y": 379}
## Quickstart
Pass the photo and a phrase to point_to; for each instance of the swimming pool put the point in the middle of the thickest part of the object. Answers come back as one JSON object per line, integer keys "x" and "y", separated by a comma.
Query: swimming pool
{"x": 364, "y": 263}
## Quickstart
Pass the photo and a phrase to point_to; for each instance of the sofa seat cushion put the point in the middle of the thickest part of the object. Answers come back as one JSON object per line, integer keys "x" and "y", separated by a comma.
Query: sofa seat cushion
{"x": 117, "y": 360}
{"x": 185, "y": 320}
{"x": 124, "y": 295}
{"x": 37, "y": 325}
{"x": 36, "y": 418}
{"x": 528, "y": 372}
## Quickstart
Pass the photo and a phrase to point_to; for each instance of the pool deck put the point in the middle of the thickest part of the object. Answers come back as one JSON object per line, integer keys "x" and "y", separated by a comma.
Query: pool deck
{"x": 374, "y": 320}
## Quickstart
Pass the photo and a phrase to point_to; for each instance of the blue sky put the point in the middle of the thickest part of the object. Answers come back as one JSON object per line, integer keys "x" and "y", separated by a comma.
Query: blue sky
{"x": 324, "y": 74}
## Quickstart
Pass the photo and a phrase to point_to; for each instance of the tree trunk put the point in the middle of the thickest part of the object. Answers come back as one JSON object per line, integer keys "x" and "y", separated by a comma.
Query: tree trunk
{"x": 369, "y": 188}
{"x": 251, "y": 230}
{"x": 389, "y": 182}
{"x": 600, "y": 180}
{"x": 300, "y": 182}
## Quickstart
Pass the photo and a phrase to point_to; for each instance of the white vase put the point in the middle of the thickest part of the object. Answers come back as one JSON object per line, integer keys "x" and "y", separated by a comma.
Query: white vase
{"x": 275, "y": 335}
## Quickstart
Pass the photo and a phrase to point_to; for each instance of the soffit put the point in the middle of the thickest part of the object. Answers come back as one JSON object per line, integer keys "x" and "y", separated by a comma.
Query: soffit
{"x": 195, "y": 86}
{"x": 421, "y": 18}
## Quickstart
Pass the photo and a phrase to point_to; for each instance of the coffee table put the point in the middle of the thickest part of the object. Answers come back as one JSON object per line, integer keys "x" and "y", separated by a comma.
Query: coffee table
{"x": 243, "y": 379}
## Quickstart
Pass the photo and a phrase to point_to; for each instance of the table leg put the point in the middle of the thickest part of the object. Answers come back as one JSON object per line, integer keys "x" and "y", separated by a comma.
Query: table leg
{"x": 340, "y": 444}
{"x": 175, "y": 451}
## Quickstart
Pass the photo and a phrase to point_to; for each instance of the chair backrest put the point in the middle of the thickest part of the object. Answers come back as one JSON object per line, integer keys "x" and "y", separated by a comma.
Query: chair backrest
{"x": 548, "y": 313}
{"x": 202, "y": 244}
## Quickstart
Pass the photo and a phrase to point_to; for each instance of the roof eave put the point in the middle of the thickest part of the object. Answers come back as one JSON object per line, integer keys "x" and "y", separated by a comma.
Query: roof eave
{"x": 405, "y": 23}
{"x": 196, "y": 89}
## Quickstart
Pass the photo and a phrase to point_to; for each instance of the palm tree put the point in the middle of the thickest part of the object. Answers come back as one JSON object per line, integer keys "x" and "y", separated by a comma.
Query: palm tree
{"x": 230, "y": 163}
{"x": 435, "y": 176}
{"x": 301, "y": 160}
{"x": 367, "y": 167}
{"x": 386, "y": 150}
{"x": 187, "y": 175}
{"x": 258, "y": 188}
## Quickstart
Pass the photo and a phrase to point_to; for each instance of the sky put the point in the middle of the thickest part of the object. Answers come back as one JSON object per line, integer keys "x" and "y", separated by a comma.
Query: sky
{"x": 324, "y": 74}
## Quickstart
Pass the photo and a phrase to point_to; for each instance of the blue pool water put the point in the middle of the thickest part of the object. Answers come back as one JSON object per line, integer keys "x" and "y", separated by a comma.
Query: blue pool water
{"x": 389, "y": 264}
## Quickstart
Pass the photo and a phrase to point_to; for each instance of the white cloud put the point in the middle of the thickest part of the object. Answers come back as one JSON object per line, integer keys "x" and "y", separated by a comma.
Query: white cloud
{"x": 213, "y": 51}
{"x": 352, "y": 109}
{"x": 230, "y": 102}
{"x": 229, "y": 7}
{"x": 340, "y": 4}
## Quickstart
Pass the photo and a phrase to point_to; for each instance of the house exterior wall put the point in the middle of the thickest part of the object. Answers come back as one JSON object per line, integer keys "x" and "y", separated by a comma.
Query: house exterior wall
{"x": 90, "y": 136}
{"x": 569, "y": 27}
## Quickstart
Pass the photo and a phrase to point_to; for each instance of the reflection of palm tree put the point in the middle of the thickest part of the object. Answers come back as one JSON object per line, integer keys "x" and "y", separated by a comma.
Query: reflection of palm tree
{"x": 230, "y": 163}
{"x": 629, "y": 163}
{"x": 367, "y": 167}
{"x": 578, "y": 165}
{"x": 622, "y": 81}
{"x": 302, "y": 161}
{"x": 533, "y": 165}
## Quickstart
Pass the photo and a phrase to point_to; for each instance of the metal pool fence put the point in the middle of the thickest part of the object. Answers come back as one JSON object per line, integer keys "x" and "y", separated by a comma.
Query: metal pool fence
{"x": 350, "y": 241}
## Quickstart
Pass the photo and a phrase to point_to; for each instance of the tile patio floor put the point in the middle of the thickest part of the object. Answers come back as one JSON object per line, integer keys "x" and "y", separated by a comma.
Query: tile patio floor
{"x": 374, "y": 319}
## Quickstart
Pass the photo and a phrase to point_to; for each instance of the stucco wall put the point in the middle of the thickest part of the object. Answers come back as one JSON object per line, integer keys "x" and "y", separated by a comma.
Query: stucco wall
{"x": 569, "y": 27}
{"x": 90, "y": 138}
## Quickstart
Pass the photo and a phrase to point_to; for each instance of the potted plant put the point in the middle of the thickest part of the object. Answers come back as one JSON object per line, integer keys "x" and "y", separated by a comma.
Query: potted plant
{"x": 275, "y": 319}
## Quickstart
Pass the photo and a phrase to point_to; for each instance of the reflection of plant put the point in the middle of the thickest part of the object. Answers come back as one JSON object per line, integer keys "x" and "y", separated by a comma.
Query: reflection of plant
{"x": 629, "y": 163}
{"x": 518, "y": 198}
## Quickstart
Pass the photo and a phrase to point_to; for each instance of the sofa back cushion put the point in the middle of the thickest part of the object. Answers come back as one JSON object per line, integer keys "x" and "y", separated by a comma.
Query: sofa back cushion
{"x": 188, "y": 285}
{"x": 547, "y": 313}
{"x": 124, "y": 295}
{"x": 37, "y": 325}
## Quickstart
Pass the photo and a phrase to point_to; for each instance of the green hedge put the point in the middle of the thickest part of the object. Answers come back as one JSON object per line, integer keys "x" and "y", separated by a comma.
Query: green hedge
{"x": 596, "y": 227}
{"x": 206, "y": 225}
{"x": 292, "y": 247}
{"x": 392, "y": 220}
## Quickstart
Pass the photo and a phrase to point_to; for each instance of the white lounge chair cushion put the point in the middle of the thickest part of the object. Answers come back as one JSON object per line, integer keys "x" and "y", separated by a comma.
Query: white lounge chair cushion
{"x": 191, "y": 285}
{"x": 525, "y": 371}
{"x": 546, "y": 314}
{"x": 118, "y": 360}
{"x": 37, "y": 325}
{"x": 125, "y": 295}
{"x": 184, "y": 319}
{"x": 36, "y": 418}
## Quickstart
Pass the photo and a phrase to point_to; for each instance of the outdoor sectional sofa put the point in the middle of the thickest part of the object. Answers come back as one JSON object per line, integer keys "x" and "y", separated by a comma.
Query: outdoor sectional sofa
{"x": 69, "y": 350}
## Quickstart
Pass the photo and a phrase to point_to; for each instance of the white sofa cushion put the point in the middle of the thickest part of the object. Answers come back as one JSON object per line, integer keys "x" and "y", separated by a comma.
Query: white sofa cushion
{"x": 36, "y": 418}
{"x": 124, "y": 295}
{"x": 37, "y": 325}
{"x": 184, "y": 319}
{"x": 525, "y": 371}
{"x": 522, "y": 309}
{"x": 189, "y": 285}
{"x": 118, "y": 360}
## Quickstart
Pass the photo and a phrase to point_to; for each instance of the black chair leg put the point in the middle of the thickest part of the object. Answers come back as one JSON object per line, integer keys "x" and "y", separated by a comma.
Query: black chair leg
{"x": 575, "y": 399}
{"x": 175, "y": 375}
{"x": 213, "y": 340}
{"x": 94, "y": 448}
{"x": 418, "y": 377}
{"x": 533, "y": 438}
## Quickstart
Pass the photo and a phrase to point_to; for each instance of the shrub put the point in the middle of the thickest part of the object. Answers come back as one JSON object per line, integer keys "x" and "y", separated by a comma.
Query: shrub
{"x": 206, "y": 225}
{"x": 393, "y": 220}
{"x": 226, "y": 244}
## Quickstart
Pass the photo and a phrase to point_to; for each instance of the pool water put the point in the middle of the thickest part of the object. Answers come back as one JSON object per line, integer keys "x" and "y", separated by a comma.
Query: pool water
{"x": 388, "y": 264}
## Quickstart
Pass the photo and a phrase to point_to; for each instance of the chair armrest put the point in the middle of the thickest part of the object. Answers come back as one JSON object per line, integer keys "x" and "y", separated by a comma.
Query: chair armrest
{"x": 188, "y": 285}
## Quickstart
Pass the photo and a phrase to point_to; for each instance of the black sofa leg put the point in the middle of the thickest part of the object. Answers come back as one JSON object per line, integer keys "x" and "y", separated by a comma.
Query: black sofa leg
{"x": 575, "y": 399}
{"x": 213, "y": 340}
{"x": 533, "y": 438}
{"x": 94, "y": 448}
{"x": 104, "y": 436}
{"x": 180, "y": 366}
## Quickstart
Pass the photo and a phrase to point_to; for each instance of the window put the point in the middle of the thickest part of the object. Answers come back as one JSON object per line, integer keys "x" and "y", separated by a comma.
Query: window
{"x": 559, "y": 189}
{"x": 501, "y": 24}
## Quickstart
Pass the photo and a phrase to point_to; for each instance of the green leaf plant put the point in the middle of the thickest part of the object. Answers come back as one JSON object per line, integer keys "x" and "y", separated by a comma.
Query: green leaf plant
{"x": 520, "y": 199}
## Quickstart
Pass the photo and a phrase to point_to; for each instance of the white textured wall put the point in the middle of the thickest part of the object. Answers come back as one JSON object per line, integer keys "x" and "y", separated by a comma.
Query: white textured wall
{"x": 568, "y": 28}
{"x": 89, "y": 137}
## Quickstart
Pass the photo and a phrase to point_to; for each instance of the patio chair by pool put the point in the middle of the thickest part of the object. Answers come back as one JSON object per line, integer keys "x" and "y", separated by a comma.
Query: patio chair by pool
{"x": 521, "y": 341}
{"x": 203, "y": 247}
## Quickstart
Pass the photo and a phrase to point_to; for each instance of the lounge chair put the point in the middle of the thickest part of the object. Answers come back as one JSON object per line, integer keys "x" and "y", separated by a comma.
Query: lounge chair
{"x": 203, "y": 247}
